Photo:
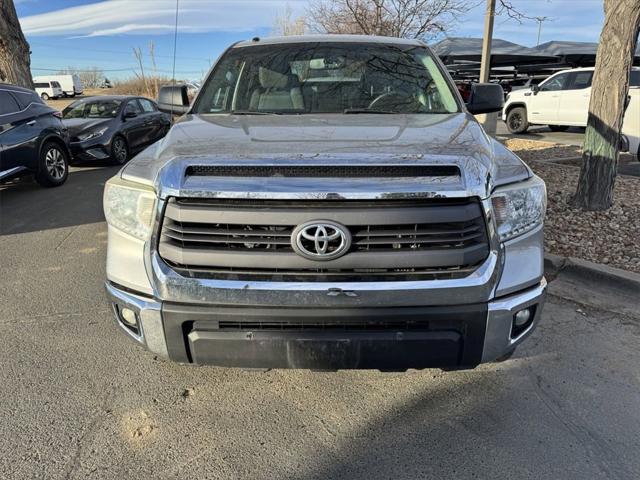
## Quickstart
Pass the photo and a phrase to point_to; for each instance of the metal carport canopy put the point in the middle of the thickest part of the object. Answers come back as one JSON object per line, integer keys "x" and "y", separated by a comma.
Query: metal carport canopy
{"x": 573, "y": 53}
{"x": 503, "y": 53}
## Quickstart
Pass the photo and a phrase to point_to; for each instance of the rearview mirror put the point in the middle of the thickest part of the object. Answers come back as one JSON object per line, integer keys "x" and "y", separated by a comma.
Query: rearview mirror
{"x": 173, "y": 99}
{"x": 485, "y": 98}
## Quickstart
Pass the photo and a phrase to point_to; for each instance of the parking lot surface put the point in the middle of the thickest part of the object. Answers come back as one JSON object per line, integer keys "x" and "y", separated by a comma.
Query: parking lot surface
{"x": 79, "y": 400}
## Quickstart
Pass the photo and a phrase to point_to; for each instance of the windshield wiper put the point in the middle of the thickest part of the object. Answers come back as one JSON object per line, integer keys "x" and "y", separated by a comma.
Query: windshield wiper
{"x": 366, "y": 110}
{"x": 252, "y": 112}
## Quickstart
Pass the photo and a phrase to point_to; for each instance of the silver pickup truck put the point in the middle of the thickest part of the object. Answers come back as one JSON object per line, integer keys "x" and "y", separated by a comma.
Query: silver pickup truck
{"x": 327, "y": 202}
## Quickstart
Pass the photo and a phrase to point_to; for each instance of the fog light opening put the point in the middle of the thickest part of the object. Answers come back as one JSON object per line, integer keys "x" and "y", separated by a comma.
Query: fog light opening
{"x": 522, "y": 320}
{"x": 128, "y": 318}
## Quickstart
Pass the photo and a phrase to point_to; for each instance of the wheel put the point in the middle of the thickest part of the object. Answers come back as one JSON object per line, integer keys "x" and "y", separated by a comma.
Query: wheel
{"x": 506, "y": 356}
{"x": 517, "y": 120}
{"x": 558, "y": 128}
{"x": 53, "y": 166}
{"x": 44, "y": 96}
{"x": 119, "y": 150}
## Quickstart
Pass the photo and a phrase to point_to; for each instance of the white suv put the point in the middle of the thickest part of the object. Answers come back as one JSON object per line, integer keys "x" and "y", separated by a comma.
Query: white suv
{"x": 562, "y": 100}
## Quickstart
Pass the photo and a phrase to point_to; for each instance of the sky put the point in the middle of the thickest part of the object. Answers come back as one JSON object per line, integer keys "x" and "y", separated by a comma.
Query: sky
{"x": 86, "y": 33}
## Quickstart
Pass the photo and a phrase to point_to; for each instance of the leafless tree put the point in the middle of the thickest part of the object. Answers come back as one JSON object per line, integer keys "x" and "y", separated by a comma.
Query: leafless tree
{"x": 15, "y": 59}
{"x": 425, "y": 19}
{"x": 609, "y": 93}
{"x": 285, "y": 24}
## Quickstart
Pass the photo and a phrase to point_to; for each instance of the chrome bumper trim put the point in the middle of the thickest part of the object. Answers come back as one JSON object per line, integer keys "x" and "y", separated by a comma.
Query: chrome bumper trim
{"x": 497, "y": 339}
{"x": 149, "y": 312}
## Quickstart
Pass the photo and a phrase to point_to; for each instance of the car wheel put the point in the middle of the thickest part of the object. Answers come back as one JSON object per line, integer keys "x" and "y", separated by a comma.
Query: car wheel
{"x": 517, "y": 120}
{"x": 558, "y": 128}
{"x": 119, "y": 150}
{"x": 53, "y": 167}
{"x": 44, "y": 96}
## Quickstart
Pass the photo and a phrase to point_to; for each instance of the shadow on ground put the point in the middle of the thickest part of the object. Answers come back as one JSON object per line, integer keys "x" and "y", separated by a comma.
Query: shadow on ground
{"x": 27, "y": 207}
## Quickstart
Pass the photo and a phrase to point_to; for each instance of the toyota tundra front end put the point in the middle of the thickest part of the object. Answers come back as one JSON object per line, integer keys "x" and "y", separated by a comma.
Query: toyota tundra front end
{"x": 327, "y": 203}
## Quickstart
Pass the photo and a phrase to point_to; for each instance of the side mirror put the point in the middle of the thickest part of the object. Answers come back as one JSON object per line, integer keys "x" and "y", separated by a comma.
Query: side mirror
{"x": 485, "y": 98}
{"x": 130, "y": 114}
{"x": 173, "y": 99}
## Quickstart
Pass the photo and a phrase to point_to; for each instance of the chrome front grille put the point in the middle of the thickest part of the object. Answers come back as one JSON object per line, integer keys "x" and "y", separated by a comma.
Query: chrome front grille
{"x": 434, "y": 238}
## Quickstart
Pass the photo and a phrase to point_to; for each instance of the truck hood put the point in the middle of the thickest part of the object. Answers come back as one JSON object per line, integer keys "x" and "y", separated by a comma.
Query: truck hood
{"x": 326, "y": 140}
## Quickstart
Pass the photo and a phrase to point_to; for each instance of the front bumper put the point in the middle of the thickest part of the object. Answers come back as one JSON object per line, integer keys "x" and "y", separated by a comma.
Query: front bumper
{"x": 90, "y": 150}
{"x": 385, "y": 338}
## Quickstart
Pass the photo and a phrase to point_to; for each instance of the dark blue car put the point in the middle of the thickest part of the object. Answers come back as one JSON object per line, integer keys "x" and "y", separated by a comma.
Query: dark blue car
{"x": 33, "y": 139}
{"x": 113, "y": 127}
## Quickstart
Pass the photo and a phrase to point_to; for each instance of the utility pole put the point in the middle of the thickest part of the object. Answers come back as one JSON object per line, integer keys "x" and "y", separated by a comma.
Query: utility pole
{"x": 540, "y": 20}
{"x": 489, "y": 120}
{"x": 485, "y": 66}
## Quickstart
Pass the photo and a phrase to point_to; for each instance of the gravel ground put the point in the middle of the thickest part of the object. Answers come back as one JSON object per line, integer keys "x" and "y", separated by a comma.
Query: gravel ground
{"x": 609, "y": 237}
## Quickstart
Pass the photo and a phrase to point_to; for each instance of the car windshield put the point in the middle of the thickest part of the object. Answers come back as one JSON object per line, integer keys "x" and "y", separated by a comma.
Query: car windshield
{"x": 326, "y": 78}
{"x": 92, "y": 109}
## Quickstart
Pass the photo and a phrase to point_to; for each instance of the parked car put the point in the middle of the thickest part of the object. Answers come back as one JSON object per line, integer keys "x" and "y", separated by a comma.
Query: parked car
{"x": 113, "y": 127}
{"x": 327, "y": 202}
{"x": 631, "y": 125}
{"x": 33, "y": 139}
{"x": 48, "y": 90}
{"x": 71, "y": 84}
{"x": 561, "y": 101}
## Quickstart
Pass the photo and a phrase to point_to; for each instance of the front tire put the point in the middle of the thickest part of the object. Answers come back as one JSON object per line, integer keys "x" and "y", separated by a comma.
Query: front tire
{"x": 119, "y": 150}
{"x": 53, "y": 165}
{"x": 44, "y": 96}
{"x": 558, "y": 128}
{"x": 517, "y": 120}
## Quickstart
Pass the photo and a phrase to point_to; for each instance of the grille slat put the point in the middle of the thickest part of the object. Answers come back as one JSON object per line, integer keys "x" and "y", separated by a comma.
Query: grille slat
{"x": 423, "y": 239}
{"x": 417, "y": 241}
{"x": 256, "y": 232}
{"x": 418, "y": 231}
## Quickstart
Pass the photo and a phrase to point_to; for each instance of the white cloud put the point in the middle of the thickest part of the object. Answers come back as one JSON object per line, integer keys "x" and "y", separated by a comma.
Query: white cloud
{"x": 115, "y": 17}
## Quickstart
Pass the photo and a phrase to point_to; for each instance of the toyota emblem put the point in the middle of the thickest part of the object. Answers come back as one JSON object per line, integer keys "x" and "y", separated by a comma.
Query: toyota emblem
{"x": 321, "y": 240}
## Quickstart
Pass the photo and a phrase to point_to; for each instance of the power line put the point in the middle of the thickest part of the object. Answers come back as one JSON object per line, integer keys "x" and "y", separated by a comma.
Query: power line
{"x": 102, "y": 50}
{"x": 128, "y": 69}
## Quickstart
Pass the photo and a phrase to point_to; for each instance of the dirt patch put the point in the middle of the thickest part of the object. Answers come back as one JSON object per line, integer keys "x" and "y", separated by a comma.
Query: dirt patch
{"x": 609, "y": 237}
{"x": 530, "y": 150}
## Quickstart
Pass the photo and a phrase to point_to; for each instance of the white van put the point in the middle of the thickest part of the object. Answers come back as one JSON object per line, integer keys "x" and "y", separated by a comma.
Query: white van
{"x": 48, "y": 90}
{"x": 562, "y": 100}
{"x": 71, "y": 84}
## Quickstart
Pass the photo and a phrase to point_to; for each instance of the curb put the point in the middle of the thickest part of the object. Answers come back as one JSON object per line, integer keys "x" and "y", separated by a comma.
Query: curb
{"x": 555, "y": 265}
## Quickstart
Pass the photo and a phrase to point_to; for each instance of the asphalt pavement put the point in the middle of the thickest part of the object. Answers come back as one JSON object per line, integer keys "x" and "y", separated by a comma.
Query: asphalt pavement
{"x": 81, "y": 401}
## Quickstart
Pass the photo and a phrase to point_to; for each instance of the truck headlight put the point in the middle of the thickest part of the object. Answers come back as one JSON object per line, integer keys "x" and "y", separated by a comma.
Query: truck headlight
{"x": 129, "y": 207}
{"x": 519, "y": 208}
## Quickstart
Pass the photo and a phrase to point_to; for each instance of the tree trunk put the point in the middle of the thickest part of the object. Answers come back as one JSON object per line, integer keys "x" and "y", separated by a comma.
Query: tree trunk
{"x": 15, "y": 61}
{"x": 608, "y": 101}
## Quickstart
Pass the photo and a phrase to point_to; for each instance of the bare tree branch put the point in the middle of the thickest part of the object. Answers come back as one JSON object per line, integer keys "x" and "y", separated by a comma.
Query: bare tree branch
{"x": 424, "y": 19}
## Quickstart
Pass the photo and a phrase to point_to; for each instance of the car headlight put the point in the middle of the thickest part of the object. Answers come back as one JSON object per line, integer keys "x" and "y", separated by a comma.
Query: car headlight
{"x": 519, "y": 208}
{"x": 129, "y": 207}
{"x": 91, "y": 135}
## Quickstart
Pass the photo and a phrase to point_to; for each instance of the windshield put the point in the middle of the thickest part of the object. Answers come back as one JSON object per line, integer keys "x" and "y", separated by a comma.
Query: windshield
{"x": 92, "y": 109}
{"x": 326, "y": 78}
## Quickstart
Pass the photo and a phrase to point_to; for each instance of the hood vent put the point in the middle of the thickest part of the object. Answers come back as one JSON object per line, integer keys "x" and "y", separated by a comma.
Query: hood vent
{"x": 323, "y": 171}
